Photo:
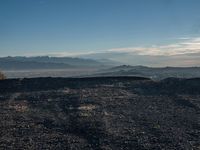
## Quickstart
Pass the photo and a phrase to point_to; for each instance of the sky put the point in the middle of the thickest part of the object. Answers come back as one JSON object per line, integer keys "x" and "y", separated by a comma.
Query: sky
{"x": 78, "y": 27}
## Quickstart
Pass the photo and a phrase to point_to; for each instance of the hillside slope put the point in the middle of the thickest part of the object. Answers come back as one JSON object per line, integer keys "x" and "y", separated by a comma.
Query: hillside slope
{"x": 100, "y": 113}
{"x": 150, "y": 72}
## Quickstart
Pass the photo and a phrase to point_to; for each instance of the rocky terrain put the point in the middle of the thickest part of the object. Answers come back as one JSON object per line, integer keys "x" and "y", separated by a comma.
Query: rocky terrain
{"x": 100, "y": 113}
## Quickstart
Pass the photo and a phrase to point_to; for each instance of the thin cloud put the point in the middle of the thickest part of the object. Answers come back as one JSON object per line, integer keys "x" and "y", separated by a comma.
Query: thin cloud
{"x": 184, "y": 46}
{"x": 59, "y": 54}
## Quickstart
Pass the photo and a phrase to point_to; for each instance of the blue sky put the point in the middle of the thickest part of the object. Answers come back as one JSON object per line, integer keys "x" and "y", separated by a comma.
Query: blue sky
{"x": 39, "y": 27}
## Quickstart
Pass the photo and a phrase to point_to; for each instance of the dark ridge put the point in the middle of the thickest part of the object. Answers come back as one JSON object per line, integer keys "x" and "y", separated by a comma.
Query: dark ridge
{"x": 169, "y": 86}
{"x": 37, "y": 84}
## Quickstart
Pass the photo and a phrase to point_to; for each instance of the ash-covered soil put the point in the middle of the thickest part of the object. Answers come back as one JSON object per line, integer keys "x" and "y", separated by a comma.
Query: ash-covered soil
{"x": 107, "y": 113}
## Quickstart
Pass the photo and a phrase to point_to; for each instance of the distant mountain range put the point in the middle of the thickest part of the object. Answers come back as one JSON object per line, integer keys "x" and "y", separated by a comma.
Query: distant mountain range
{"x": 46, "y": 62}
{"x": 131, "y": 58}
{"x": 43, "y": 66}
{"x": 153, "y": 73}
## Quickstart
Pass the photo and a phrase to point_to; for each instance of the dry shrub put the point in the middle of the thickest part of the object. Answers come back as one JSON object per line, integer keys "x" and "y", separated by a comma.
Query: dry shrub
{"x": 2, "y": 76}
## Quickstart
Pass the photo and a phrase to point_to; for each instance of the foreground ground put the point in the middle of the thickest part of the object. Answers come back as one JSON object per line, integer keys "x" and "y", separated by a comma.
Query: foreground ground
{"x": 99, "y": 113}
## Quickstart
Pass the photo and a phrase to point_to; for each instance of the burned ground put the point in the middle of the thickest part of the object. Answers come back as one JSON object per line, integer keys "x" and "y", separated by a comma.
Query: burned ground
{"x": 100, "y": 113}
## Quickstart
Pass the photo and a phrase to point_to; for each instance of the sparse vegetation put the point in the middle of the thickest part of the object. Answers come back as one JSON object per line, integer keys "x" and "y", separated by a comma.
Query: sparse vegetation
{"x": 2, "y": 76}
